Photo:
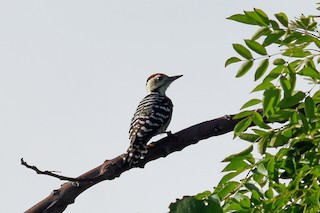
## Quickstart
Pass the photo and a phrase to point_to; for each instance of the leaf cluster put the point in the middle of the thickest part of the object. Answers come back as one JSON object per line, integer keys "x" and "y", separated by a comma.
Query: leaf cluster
{"x": 286, "y": 178}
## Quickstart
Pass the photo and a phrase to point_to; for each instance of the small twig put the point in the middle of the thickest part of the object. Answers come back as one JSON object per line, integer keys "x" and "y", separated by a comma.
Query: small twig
{"x": 52, "y": 174}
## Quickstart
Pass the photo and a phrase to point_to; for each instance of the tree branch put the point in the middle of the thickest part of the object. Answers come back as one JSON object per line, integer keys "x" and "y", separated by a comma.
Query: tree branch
{"x": 59, "y": 199}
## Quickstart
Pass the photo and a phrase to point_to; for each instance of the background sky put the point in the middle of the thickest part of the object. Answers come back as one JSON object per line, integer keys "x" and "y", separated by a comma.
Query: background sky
{"x": 73, "y": 72}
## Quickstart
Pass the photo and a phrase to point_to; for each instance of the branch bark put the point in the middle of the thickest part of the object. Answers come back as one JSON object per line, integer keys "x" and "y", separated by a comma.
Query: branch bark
{"x": 60, "y": 198}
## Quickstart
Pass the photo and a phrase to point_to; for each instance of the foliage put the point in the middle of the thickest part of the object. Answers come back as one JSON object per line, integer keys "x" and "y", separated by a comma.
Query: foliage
{"x": 286, "y": 133}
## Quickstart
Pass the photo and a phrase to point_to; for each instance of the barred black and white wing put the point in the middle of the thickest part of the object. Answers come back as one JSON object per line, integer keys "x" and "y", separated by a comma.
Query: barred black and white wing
{"x": 152, "y": 117}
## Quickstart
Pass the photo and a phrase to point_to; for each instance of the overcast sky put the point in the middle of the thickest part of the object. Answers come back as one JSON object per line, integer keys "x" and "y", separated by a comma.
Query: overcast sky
{"x": 73, "y": 72}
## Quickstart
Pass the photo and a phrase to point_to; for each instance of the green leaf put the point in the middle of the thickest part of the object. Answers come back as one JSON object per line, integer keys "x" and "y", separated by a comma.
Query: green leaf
{"x": 275, "y": 73}
{"x": 282, "y": 18}
{"x": 316, "y": 42}
{"x": 253, "y": 186}
{"x": 294, "y": 119}
{"x": 263, "y": 66}
{"x": 233, "y": 206}
{"x": 262, "y": 15}
{"x": 313, "y": 26}
{"x": 255, "y": 46}
{"x": 274, "y": 25}
{"x": 230, "y": 175}
{"x": 263, "y": 86}
{"x": 310, "y": 63}
{"x": 278, "y": 140}
{"x": 249, "y": 137}
{"x": 259, "y": 178}
{"x": 269, "y": 193}
{"x": 245, "y": 202}
{"x": 295, "y": 65}
{"x": 240, "y": 154}
{"x": 190, "y": 205}
{"x": 256, "y": 17}
{"x": 270, "y": 100}
{"x": 305, "y": 21}
{"x": 243, "y": 114}
{"x": 243, "y": 19}
{"x": 232, "y": 60}
{"x": 260, "y": 132}
{"x": 245, "y": 67}
{"x": 235, "y": 164}
{"x": 228, "y": 188}
{"x": 287, "y": 132}
{"x": 262, "y": 145}
{"x": 258, "y": 120}
{"x": 243, "y": 51}
{"x": 293, "y": 80}
{"x": 280, "y": 188}
{"x": 263, "y": 31}
{"x": 261, "y": 169}
{"x": 250, "y": 103}
{"x": 316, "y": 171}
{"x": 255, "y": 197}
{"x": 272, "y": 172}
{"x": 309, "y": 71}
{"x": 242, "y": 125}
{"x": 279, "y": 61}
{"x": 203, "y": 195}
{"x": 309, "y": 108}
{"x": 304, "y": 39}
{"x": 313, "y": 198}
{"x": 286, "y": 86}
{"x": 273, "y": 37}
{"x": 316, "y": 97}
{"x": 292, "y": 100}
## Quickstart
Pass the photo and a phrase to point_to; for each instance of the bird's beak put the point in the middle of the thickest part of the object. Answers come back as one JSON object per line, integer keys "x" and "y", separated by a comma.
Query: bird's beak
{"x": 172, "y": 78}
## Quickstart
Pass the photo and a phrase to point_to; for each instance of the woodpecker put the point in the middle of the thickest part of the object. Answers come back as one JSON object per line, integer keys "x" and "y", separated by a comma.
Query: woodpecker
{"x": 151, "y": 118}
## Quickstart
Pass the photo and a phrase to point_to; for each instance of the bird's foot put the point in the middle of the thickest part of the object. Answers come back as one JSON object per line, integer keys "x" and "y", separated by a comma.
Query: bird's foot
{"x": 169, "y": 133}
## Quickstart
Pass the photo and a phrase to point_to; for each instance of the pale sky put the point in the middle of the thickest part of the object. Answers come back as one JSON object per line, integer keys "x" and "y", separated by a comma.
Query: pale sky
{"x": 73, "y": 72}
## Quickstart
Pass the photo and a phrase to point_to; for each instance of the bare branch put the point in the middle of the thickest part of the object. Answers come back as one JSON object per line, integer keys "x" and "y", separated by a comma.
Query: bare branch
{"x": 59, "y": 199}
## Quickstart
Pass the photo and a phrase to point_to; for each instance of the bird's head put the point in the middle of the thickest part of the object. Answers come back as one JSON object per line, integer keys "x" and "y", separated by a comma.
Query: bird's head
{"x": 160, "y": 82}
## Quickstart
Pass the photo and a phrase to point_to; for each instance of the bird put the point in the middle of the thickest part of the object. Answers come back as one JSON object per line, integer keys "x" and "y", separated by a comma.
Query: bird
{"x": 151, "y": 117}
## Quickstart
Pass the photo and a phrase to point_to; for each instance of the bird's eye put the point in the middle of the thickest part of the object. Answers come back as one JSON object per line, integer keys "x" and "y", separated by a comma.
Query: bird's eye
{"x": 159, "y": 78}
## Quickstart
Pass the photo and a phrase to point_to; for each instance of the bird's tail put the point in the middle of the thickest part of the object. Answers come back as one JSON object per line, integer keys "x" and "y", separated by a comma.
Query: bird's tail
{"x": 135, "y": 153}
